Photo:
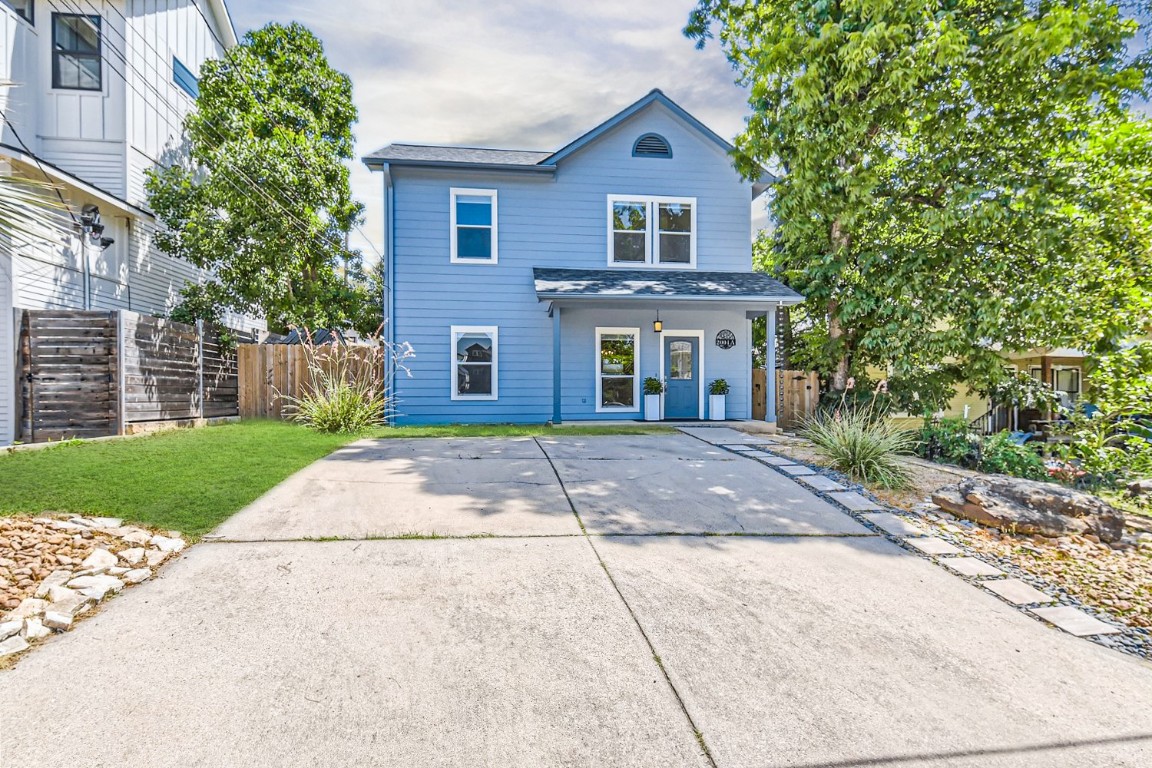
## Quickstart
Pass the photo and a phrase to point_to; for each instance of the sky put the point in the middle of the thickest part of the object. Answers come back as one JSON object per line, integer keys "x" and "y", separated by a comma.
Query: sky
{"x": 520, "y": 74}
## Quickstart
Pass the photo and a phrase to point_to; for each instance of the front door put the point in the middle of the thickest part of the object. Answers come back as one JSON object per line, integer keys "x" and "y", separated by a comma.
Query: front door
{"x": 682, "y": 397}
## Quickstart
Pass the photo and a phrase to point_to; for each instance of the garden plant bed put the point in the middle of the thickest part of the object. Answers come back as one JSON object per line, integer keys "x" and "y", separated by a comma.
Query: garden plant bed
{"x": 1112, "y": 583}
{"x": 54, "y": 570}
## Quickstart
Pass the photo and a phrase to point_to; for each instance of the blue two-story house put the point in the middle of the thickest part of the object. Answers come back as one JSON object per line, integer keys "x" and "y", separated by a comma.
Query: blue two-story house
{"x": 546, "y": 286}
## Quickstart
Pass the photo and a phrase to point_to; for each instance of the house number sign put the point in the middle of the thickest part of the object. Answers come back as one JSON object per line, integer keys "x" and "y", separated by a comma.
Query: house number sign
{"x": 725, "y": 339}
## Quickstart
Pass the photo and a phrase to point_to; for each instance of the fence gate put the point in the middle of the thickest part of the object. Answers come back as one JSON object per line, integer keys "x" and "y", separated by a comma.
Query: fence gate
{"x": 797, "y": 394}
{"x": 69, "y": 363}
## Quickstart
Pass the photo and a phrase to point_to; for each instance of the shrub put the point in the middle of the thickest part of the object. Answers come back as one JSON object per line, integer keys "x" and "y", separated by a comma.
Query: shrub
{"x": 951, "y": 440}
{"x": 653, "y": 386}
{"x": 861, "y": 445}
{"x": 718, "y": 387}
{"x": 999, "y": 455}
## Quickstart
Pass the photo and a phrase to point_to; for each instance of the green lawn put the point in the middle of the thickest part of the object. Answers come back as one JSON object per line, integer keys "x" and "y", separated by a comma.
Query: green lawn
{"x": 190, "y": 480}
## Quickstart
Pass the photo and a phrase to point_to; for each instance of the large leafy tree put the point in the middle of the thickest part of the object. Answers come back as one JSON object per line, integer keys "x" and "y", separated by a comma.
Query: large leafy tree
{"x": 262, "y": 197}
{"x": 957, "y": 177}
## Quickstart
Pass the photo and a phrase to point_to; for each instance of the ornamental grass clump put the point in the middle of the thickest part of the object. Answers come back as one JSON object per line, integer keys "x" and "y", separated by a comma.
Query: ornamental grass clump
{"x": 345, "y": 390}
{"x": 863, "y": 443}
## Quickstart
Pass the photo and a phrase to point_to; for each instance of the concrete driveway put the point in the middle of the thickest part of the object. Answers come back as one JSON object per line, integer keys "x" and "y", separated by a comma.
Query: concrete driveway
{"x": 555, "y": 603}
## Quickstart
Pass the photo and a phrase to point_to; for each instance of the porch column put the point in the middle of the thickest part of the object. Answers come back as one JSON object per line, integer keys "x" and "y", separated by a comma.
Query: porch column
{"x": 556, "y": 378}
{"x": 770, "y": 368}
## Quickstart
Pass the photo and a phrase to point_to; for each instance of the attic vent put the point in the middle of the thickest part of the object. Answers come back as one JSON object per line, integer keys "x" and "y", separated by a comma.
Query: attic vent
{"x": 651, "y": 145}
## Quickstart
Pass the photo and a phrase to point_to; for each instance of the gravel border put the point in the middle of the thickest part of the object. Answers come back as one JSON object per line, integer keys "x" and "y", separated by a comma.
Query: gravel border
{"x": 1136, "y": 641}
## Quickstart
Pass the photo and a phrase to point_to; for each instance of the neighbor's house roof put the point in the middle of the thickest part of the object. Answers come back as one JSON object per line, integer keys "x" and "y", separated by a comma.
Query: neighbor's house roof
{"x": 688, "y": 285}
{"x": 535, "y": 161}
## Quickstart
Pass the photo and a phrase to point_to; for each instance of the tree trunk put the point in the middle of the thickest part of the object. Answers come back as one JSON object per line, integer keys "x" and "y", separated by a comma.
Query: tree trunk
{"x": 840, "y": 242}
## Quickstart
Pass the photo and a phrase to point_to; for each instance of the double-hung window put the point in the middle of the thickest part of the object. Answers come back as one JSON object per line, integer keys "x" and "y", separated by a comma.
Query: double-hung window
{"x": 473, "y": 226}
{"x": 617, "y": 385}
{"x": 25, "y": 9}
{"x": 76, "y": 63}
{"x": 651, "y": 231}
{"x": 474, "y": 362}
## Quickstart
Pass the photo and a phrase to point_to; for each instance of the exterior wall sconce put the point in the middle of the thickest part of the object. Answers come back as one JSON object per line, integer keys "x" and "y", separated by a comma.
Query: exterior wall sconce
{"x": 657, "y": 326}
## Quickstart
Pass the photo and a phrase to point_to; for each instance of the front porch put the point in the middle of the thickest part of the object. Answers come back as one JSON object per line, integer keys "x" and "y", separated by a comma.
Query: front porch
{"x": 612, "y": 329}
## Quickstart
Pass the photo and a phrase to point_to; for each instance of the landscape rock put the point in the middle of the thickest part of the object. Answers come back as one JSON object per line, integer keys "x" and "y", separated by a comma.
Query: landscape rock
{"x": 9, "y": 628}
{"x": 55, "y": 618}
{"x": 99, "y": 561}
{"x": 34, "y": 629}
{"x": 12, "y": 645}
{"x": 55, "y": 579}
{"x": 136, "y": 536}
{"x": 132, "y": 556}
{"x": 137, "y": 575}
{"x": 1032, "y": 507}
{"x": 29, "y": 607}
{"x": 96, "y": 587}
{"x": 1140, "y": 487}
{"x": 155, "y": 556}
{"x": 167, "y": 544}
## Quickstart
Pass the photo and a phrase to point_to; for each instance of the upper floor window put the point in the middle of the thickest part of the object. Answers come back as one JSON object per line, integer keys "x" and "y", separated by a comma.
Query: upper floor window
{"x": 652, "y": 231}
{"x": 184, "y": 78}
{"x": 473, "y": 226}
{"x": 652, "y": 145}
{"x": 25, "y": 9}
{"x": 76, "y": 63}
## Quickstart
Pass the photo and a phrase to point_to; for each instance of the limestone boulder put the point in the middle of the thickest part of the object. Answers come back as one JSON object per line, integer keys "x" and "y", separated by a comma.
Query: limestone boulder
{"x": 1031, "y": 507}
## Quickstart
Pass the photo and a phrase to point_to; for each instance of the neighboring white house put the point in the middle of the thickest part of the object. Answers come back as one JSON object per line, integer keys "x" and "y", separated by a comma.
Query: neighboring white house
{"x": 92, "y": 94}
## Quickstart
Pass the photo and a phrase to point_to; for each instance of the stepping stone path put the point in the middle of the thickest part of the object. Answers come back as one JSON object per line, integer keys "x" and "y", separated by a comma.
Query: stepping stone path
{"x": 1017, "y": 592}
{"x": 971, "y": 566}
{"x": 854, "y": 501}
{"x": 797, "y": 469}
{"x": 821, "y": 483}
{"x": 930, "y": 545}
{"x": 1074, "y": 621}
{"x": 894, "y": 524}
{"x": 776, "y": 461}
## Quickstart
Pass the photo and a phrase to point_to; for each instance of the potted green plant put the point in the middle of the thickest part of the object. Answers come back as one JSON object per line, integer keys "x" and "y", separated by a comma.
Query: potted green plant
{"x": 717, "y": 391}
{"x": 653, "y": 388}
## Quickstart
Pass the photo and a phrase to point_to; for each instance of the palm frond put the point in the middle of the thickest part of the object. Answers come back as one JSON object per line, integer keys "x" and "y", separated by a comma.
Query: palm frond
{"x": 30, "y": 212}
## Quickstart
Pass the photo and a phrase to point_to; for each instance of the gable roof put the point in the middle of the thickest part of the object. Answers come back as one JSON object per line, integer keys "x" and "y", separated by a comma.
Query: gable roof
{"x": 483, "y": 158}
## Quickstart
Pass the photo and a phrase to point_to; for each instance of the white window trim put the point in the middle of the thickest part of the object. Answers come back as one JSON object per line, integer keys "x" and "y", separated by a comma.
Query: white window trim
{"x": 699, "y": 336}
{"x": 494, "y": 333}
{"x": 455, "y": 192}
{"x": 1079, "y": 377}
{"x": 651, "y": 240}
{"x": 602, "y": 331}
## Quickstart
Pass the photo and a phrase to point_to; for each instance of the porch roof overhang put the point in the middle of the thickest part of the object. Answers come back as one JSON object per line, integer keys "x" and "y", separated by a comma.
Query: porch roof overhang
{"x": 753, "y": 291}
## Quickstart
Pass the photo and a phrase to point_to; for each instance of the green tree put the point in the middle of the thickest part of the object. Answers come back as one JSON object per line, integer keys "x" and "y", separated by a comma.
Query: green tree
{"x": 262, "y": 198}
{"x": 958, "y": 177}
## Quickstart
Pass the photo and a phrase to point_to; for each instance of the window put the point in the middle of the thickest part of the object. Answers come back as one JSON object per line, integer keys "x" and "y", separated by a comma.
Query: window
{"x": 184, "y": 78}
{"x": 473, "y": 228}
{"x": 617, "y": 385}
{"x": 474, "y": 366}
{"x": 651, "y": 145}
{"x": 76, "y": 61}
{"x": 1067, "y": 380}
{"x": 652, "y": 231}
{"x": 25, "y": 9}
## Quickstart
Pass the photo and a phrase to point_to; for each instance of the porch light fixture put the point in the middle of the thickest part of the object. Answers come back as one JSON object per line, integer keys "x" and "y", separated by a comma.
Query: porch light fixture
{"x": 657, "y": 326}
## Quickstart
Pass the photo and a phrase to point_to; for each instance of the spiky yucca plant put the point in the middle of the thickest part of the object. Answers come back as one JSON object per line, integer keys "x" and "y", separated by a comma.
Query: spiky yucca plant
{"x": 863, "y": 443}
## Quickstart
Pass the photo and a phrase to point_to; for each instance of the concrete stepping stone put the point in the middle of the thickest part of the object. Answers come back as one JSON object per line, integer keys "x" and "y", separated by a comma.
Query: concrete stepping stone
{"x": 1017, "y": 592}
{"x": 778, "y": 461}
{"x": 930, "y": 545}
{"x": 894, "y": 524}
{"x": 854, "y": 501}
{"x": 796, "y": 469}
{"x": 971, "y": 566}
{"x": 1074, "y": 621}
{"x": 821, "y": 483}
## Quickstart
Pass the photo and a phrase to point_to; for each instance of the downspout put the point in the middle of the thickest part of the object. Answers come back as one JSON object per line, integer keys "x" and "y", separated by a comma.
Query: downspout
{"x": 389, "y": 291}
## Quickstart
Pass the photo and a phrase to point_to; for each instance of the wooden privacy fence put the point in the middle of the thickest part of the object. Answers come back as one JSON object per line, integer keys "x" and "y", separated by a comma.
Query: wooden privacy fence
{"x": 270, "y": 373}
{"x": 797, "y": 394}
{"x": 93, "y": 374}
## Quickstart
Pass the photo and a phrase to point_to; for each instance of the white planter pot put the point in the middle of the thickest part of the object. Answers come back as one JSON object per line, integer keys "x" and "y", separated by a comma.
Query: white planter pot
{"x": 716, "y": 407}
{"x": 651, "y": 407}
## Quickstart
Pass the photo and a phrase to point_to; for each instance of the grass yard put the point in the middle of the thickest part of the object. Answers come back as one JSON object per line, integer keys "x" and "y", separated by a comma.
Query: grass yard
{"x": 190, "y": 480}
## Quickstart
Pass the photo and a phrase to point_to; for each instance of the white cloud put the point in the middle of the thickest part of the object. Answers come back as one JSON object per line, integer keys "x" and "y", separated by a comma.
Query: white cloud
{"x": 522, "y": 74}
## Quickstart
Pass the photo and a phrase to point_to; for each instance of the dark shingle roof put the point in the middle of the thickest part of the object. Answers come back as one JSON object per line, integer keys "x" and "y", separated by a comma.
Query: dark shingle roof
{"x": 417, "y": 153}
{"x": 651, "y": 283}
